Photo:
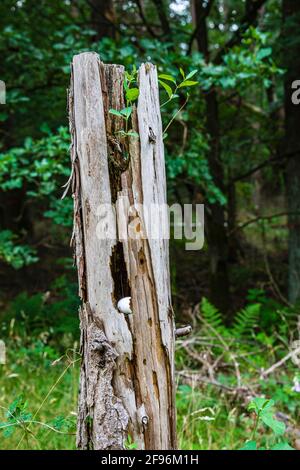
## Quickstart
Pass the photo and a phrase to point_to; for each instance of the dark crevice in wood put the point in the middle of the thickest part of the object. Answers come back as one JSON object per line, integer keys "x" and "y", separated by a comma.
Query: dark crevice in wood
{"x": 119, "y": 274}
{"x": 118, "y": 147}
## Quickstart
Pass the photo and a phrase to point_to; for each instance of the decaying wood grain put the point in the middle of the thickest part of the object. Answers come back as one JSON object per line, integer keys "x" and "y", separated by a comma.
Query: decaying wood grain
{"x": 127, "y": 376}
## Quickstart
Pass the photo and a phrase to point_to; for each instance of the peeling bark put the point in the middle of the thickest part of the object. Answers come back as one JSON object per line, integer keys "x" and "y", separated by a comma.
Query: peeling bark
{"x": 127, "y": 373}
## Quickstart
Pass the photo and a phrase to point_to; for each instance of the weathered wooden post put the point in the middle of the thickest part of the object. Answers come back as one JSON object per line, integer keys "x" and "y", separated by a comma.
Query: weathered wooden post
{"x": 127, "y": 372}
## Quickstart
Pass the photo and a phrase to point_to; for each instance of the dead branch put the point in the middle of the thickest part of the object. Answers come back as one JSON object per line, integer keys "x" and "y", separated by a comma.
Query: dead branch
{"x": 282, "y": 361}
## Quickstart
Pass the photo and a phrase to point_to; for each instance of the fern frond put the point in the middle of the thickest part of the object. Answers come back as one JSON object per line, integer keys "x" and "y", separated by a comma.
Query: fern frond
{"x": 211, "y": 316}
{"x": 246, "y": 320}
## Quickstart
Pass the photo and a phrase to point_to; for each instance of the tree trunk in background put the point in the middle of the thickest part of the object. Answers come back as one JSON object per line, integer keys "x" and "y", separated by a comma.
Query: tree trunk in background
{"x": 291, "y": 42}
{"x": 102, "y": 17}
{"x": 127, "y": 374}
{"x": 163, "y": 18}
{"x": 216, "y": 230}
{"x": 215, "y": 220}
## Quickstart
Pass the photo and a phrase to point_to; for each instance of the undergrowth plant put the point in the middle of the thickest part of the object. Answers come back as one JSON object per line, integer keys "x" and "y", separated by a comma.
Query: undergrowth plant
{"x": 42, "y": 412}
{"x": 13, "y": 253}
{"x": 39, "y": 384}
{"x": 243, "y": 324}
{"x": 221, "y": 366}
{"x": 264, "y": 414}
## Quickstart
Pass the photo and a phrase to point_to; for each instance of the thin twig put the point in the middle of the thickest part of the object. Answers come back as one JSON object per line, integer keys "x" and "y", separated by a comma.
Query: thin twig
{"x": 198, "y": 378}
{"x": 174, "y": 116}
{"x": 280, "y": 363}
{"x": 259, "y": 218}
{"x": 18, "y": 423}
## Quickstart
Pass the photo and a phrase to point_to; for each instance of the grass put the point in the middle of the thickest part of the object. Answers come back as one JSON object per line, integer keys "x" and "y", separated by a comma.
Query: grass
{"x": 208, "y": 417}
{"x": 199, "y": 416}
{"x": 49, "y": 395}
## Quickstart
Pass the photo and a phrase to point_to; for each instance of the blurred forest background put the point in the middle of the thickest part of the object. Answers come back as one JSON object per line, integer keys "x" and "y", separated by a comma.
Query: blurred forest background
{"x": 235, "y": 146}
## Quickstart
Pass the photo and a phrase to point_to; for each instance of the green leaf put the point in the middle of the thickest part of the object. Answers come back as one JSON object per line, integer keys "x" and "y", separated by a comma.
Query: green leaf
{"x": 167, "y": 88}
{"x": 125, "y": 84}
{"x": 130, "y": 444}
{"x": 278, "y": 427}
{"x": 182, "y": 72}
{"x": 121, "y": 132}
{"x": 282, "y": 446}
{"x": 115, "y": 112}
{"x": 187, "y": 83}
{"x": 258, "y": 404}
{"x": 126, "y": 112}
{"x": 132, "y": 134}
{"x": 191, "y": 74}
{"x": 265, "y": 410}
{"x": 227, "y": 82}
{"x": 250, "y": 445}
{"x": 167, "y": 77}
{"x": 263, "y": 53}
{"x": 132, "y": 94}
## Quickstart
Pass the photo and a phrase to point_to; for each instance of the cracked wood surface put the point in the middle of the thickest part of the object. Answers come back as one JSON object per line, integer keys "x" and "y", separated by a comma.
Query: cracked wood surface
{"x": 127, "y": 375}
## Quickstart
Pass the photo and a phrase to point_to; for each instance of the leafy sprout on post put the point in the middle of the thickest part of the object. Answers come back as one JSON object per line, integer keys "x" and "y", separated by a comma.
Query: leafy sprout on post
{"x": 131, "y": 95}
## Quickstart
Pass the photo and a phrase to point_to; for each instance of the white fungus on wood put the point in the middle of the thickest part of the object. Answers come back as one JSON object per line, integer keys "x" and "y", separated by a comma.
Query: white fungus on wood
{"x": 124, "y": 305}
